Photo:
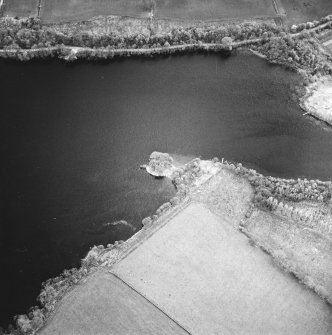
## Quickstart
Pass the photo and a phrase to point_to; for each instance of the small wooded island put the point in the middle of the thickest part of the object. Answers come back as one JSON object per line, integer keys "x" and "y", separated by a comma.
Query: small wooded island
{"x": 234, "y": 249}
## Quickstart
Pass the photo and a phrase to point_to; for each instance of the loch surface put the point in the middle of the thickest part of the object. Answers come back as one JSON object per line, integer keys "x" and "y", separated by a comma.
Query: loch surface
{"x": 73, "y": 137}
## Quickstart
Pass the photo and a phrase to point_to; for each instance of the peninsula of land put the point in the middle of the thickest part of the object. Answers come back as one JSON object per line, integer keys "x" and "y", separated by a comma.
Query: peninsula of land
{"x": 229, "y": 239}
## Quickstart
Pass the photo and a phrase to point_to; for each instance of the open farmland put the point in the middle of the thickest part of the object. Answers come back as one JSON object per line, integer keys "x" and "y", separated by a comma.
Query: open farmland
{"x": 21, "y": 8}
{"x": 76, "y": 10}
{"x": 106, "y": 305}
{"x": 298, "y": 11}
{"x": 218, "y": 283}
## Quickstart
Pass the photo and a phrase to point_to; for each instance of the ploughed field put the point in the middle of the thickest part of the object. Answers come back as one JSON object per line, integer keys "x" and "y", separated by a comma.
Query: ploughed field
{"x": 204, "y": 276}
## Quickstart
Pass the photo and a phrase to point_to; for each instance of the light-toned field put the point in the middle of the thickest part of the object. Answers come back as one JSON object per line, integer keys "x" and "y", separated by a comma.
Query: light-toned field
{"x": 205, "y": 275}
{"x": 299, "y": 11}
{"x": 104, "y": 305}
{"x": 21, "y": 8}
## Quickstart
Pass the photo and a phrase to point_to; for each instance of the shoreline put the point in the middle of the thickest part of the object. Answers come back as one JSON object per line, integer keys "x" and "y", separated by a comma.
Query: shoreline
{"x": 100, "y": 256}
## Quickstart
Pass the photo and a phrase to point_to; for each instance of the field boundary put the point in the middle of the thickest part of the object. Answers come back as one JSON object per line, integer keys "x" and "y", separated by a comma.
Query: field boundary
{"x": 149, "y": 301}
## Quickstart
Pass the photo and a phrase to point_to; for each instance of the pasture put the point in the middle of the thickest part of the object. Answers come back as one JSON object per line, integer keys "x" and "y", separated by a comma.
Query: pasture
{"x": 205, "y": 275}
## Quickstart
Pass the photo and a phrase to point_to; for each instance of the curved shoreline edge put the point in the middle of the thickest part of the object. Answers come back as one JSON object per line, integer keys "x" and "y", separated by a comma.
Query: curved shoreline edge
{"x": 270, "y": 194}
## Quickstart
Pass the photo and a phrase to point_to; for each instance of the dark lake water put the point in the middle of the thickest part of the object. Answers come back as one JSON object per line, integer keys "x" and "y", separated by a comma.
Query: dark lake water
{"x": 73, "y": 137}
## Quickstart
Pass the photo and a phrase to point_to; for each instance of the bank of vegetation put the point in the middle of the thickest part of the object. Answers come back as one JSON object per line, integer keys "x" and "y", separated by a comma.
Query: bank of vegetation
{"x": 296, "y": 48}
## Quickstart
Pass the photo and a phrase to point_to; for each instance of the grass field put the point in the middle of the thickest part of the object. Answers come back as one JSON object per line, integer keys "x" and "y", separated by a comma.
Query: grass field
{"x": 299, "y": 11}
{"x": 105, "y": 305}
{"x": 21, "y": 8}
{"x": 204, "y": 274}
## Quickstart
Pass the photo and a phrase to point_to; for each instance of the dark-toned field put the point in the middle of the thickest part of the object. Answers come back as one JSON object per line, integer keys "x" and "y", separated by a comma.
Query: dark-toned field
{"x": 298, "y": 11}
{"x": 21, "y": 8}
{"x": 214, "y": 9}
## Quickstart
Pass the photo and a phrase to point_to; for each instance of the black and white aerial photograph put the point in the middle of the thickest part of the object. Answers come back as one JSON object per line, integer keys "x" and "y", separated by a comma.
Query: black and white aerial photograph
{"x": 166, "y": 167}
